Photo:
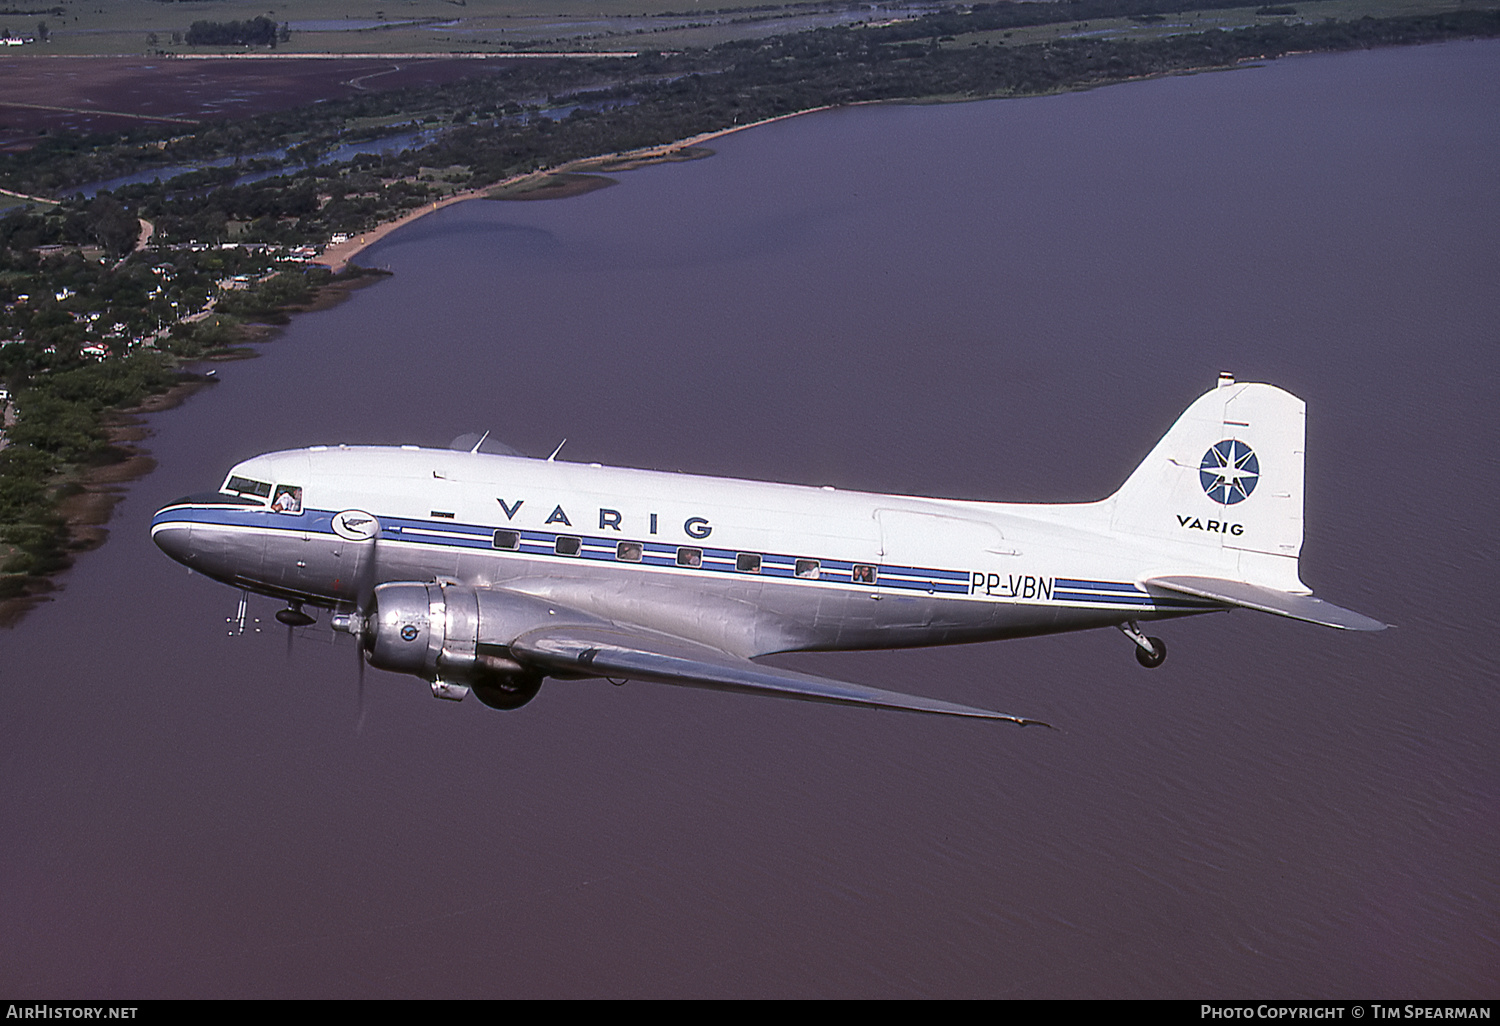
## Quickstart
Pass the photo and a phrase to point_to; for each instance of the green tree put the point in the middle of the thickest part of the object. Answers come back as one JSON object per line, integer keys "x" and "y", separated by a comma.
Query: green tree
{"x": 112, "y": 226}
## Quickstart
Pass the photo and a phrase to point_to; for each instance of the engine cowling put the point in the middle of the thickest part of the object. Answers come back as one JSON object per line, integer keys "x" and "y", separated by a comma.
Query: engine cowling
{"x": 452, "y": 634}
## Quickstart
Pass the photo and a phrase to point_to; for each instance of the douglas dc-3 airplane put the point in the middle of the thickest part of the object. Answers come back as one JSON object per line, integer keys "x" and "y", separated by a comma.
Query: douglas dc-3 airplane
{"x": 488, "y": 573}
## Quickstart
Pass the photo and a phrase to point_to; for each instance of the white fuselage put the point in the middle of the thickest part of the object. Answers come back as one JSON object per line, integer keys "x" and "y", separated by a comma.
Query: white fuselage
{"x": 748, "y": 567}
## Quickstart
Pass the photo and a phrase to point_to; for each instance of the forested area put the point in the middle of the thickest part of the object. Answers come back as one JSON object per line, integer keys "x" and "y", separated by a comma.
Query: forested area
{"x": 261, "y": 31}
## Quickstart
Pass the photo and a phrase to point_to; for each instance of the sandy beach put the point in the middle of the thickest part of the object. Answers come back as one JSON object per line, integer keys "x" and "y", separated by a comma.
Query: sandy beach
{"x": 339, "y": 255}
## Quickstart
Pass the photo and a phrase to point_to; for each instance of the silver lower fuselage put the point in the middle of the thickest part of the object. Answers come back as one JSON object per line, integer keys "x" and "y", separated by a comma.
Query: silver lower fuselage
{"x": 302, "y": 558}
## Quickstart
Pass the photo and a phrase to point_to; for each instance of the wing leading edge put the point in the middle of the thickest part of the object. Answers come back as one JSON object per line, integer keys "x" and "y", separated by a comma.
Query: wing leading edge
{"x": 613, "y": 652}
{"x": 1269, "y": 600}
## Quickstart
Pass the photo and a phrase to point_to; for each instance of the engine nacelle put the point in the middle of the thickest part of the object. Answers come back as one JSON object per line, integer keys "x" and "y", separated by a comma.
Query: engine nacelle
{"x": 453, "y": 634}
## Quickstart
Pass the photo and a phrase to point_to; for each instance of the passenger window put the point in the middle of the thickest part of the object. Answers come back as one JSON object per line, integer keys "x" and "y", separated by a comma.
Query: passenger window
{"x": 808, "y": 569}
{"x": 747, "y": 562}
{"x": 689, "y": 557}
{"x": 507, "y": 540}
{"x": 629, "y": 552}
{"x": 864, "y": 573}
{"x": 288, "y": 499}
{"x": 567, "y": 545}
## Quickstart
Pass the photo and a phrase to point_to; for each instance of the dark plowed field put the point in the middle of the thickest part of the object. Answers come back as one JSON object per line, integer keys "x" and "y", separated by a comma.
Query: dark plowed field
{"x": 102, "y": 94}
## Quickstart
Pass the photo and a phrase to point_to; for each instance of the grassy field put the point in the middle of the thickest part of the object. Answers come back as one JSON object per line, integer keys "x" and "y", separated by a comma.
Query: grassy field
{"x": 103, "y": 27}
{"x": 1222, "y": 18}
{"x": 135, "y": 27}
{"x": 353, "y": 27}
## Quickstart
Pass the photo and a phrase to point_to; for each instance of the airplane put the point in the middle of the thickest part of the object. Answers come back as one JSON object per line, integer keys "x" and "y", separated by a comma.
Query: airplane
{"x": 488, "y": 573}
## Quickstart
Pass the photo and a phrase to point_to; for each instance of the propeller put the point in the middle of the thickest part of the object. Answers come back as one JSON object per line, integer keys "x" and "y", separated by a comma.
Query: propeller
{"x": 364, "y": 604}
{"x": 359, "y": 658}
{"x": 356, "y": 623}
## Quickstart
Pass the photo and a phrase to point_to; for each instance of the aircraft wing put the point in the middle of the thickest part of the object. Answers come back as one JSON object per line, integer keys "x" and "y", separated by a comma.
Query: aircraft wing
{"x": 1268, "y": 600}
{"x": 597, "y": 651}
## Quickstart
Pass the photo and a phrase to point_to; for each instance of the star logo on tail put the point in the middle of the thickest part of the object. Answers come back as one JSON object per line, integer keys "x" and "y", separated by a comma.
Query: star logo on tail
{"x": 1229, "y": 472}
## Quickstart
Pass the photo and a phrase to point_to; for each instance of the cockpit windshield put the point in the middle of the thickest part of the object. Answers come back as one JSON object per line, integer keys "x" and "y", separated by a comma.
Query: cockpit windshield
{"x": 246, "y": 488}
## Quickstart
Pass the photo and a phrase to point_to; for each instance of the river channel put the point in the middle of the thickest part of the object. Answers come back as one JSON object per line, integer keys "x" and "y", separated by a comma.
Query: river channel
{"x": 1000, "y": 300}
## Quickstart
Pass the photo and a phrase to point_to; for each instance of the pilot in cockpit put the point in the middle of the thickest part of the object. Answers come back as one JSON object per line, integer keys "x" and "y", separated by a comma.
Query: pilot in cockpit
{"x": 288, "y": 499}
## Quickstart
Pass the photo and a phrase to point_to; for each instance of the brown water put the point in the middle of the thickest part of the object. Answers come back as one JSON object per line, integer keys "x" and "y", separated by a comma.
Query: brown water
{"x": 1006, "y": 300}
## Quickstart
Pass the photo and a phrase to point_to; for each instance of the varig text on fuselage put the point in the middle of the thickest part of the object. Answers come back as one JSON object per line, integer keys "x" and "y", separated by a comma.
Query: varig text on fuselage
{"x": 610, "y": 519}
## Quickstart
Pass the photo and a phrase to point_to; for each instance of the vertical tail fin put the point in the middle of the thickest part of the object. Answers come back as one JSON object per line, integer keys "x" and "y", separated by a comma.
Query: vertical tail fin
{"x": 1225, "y": 484}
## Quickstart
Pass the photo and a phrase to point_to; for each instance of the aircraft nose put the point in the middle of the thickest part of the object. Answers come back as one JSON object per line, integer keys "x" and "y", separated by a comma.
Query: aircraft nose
{"x": 173, "y": 535}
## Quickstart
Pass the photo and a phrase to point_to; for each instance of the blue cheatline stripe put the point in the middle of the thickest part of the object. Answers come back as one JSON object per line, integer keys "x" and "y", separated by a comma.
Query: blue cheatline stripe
{"x": 1140, "y": 599}
{"x": 915, "y": 571}
{"x": 1120, "y": 593}
{"x": 452, "y": 534}
{"x": 1064, "y": 582}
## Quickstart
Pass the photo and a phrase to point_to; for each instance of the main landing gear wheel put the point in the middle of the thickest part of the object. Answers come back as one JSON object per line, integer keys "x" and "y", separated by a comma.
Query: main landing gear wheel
{"x": 1158, "y": 655}
{"x": 1149, "y": 652}
{"x": 510, "y": 693}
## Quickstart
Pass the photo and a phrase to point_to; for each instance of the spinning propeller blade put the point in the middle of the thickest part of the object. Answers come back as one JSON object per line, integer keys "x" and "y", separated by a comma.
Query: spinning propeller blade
{"x": 364, "y": 601}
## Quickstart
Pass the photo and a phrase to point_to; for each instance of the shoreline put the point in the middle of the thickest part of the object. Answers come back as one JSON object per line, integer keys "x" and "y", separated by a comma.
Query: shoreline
{"x": 86, "y": 510}
{"x": 340, "y": 255}
{"x": 90, "y": 494}
{"x": 85, "y": 497}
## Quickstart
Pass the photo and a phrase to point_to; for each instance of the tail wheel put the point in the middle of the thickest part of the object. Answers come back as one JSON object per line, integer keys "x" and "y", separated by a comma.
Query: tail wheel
{"x": 1158, "y": 654}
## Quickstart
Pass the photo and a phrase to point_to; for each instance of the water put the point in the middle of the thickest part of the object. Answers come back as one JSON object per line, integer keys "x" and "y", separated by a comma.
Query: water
{"x": 345, "y": 24}
{"x": 1001, "y": 300}
{"x": 383, "y": 146}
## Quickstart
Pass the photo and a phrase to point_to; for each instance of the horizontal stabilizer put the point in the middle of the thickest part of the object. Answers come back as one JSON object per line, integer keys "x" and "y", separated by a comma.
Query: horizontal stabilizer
{"x": 1268, "y": 600}
{"x": 645, "y": 655}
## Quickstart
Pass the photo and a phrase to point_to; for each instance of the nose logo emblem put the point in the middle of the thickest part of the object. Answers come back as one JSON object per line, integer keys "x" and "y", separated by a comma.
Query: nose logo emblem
{"x": 409, "y": 633}
{"x": 355, "y": 525}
